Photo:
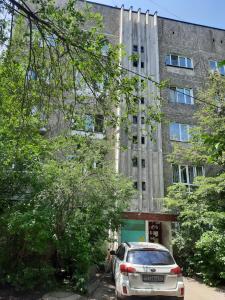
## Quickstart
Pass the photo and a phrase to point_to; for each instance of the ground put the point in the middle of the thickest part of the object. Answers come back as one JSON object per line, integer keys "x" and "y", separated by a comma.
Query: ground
{"x": 194, "y": 290}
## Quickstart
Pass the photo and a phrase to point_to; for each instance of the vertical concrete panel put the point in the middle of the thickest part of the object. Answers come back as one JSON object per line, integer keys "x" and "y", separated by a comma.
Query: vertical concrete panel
{"x": 141, "y": 30}
{"x": 166, "y": 235}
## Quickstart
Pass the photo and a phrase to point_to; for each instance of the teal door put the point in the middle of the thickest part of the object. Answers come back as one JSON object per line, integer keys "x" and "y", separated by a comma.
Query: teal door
{"x": 133, "y": 231}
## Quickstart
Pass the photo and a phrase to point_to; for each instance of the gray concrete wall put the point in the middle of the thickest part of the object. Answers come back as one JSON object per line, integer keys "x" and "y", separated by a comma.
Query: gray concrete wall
{"x": 159, "y": 36}
{"x": 141, "y": 30}
{"x": 199, "y": 43}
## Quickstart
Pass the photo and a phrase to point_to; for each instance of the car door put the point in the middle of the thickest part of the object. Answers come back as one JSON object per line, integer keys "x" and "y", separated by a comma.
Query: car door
{"x": 119, "y": 257}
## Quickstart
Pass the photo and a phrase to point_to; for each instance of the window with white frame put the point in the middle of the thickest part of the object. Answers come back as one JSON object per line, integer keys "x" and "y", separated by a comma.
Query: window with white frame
{"x": 180, "y": 132}
{"x": 181, "y": 95}
{"x": 186, "y": 174}
{"x": 214, "y": 66}
{"x": 179, "y": 61}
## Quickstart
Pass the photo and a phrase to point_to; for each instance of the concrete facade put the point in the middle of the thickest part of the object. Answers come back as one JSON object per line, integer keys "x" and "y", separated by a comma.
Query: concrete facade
{"x": 154, "y": 38}
{"x": 201, "y": 44}
{"x": 141, "y": 30}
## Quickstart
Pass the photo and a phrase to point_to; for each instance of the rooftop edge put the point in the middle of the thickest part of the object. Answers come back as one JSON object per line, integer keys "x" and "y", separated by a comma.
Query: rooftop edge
{"x": 135, "y": 11}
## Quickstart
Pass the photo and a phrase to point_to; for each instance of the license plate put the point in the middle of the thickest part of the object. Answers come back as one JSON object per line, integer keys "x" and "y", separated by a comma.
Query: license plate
{"x": 152, "y": 278}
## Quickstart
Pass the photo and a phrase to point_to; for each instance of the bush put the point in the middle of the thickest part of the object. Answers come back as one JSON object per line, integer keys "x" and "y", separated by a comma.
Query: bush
{"x": 210, "y": 257}
{"x": 199, "y": 243}
{"x": 59, "y": 234}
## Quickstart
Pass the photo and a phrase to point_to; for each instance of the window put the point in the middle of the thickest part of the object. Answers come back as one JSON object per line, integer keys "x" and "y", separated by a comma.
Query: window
{"x": 143, "y": 163}
{"x": 135, "y": 63}
{"x": 135, "y": 139}
{"x": 120, "y": 252}
{"x": 99, "y": 123}
{"x": 180, "y": 132}
{"x": 181, "y": 95}
{"x": 135, "y": 161}
{"x": 135, "y": 185}
{"x": 89, "y": 123}
{"x": 143, "y": 185}
{"x": 179, "y": 61}
{"x": 176, "y": 177}
{"x": 135, "y": 119}
{"x": 215, "y": 68}
{"x": 142, "y": 100}
{"x": 142, "y": 64}
{"x": 199, "y": 171}
{"x": 143, "y": 140}
{"x": 186, "y": 174}
{"x": 135, "y": 48}
{"x": 142, "y": 120}
{"x": 150, "y": 257}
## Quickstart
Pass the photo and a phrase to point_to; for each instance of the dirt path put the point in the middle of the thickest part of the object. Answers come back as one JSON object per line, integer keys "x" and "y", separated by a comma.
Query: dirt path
{"x": 193, "y": 291}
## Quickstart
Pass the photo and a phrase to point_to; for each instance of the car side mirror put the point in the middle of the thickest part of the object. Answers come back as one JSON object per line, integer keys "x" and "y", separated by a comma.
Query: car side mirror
{"x": 112, "y": 252}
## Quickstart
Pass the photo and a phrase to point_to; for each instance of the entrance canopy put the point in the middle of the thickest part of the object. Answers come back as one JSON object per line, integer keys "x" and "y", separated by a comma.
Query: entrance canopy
{"x": 149, "y": 216}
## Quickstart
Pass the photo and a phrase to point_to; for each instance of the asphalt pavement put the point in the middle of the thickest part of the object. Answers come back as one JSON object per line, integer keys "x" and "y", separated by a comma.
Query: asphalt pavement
{"x": 194, "y": 290}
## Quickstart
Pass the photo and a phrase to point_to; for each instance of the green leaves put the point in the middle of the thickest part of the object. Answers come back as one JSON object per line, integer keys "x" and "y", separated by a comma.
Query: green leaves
{"x": 221, "y": 63}
{"x": 65, "y": 212}
{"x": 199, "y": 241}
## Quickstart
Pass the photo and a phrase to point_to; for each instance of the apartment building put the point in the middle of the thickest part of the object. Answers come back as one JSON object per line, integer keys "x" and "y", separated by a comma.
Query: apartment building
{"x": 184, "y": 53}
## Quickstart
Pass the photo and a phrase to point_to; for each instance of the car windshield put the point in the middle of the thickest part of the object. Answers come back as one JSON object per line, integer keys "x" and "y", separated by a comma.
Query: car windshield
{"x": 149, "y": 257}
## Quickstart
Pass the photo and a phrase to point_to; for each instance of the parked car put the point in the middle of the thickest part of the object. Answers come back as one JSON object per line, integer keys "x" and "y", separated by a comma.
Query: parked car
{"x": 146, "y": 269}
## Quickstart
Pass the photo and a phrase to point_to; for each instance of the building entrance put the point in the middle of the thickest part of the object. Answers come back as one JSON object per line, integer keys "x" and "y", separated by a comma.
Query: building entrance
{"x": 133, "y": 231}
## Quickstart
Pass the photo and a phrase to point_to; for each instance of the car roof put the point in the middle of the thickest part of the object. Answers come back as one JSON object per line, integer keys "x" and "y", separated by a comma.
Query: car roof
{"x": 141, "y": 245}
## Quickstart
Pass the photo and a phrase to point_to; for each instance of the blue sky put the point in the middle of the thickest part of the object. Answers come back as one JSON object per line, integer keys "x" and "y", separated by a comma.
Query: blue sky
{"x": 204, "y": 12}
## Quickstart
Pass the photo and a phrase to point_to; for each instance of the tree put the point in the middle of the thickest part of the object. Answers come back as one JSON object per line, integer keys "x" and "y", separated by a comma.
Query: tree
{"x": 200, "y": 241}
{"x": 60, "y": 230}
{"x": 56, "y": 209}
{"x": 56, "y": 67}
{"x": 65, "y": 50}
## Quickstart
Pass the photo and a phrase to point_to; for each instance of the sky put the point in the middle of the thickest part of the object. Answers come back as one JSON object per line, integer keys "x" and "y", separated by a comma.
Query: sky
{"x": 204, "y": 12}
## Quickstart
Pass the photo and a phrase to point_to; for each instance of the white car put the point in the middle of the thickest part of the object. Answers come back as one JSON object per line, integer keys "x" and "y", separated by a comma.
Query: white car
{"x": 146, "y": 269}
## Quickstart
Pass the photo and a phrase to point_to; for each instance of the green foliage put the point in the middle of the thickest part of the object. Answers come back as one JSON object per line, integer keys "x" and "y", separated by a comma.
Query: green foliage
{"x": 55, "y": 212}
{"x": 56, "y": 209}
{"x": 210, "y": 256}
{"x": 199, "y": 241}
{"x": 68, "y": 64}
{"x": 64, "y": 223}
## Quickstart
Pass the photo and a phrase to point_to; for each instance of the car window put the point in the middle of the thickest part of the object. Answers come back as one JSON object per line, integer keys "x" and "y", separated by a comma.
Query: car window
{"x": 150, "y": 257}
{"x": 120, "y": 252}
